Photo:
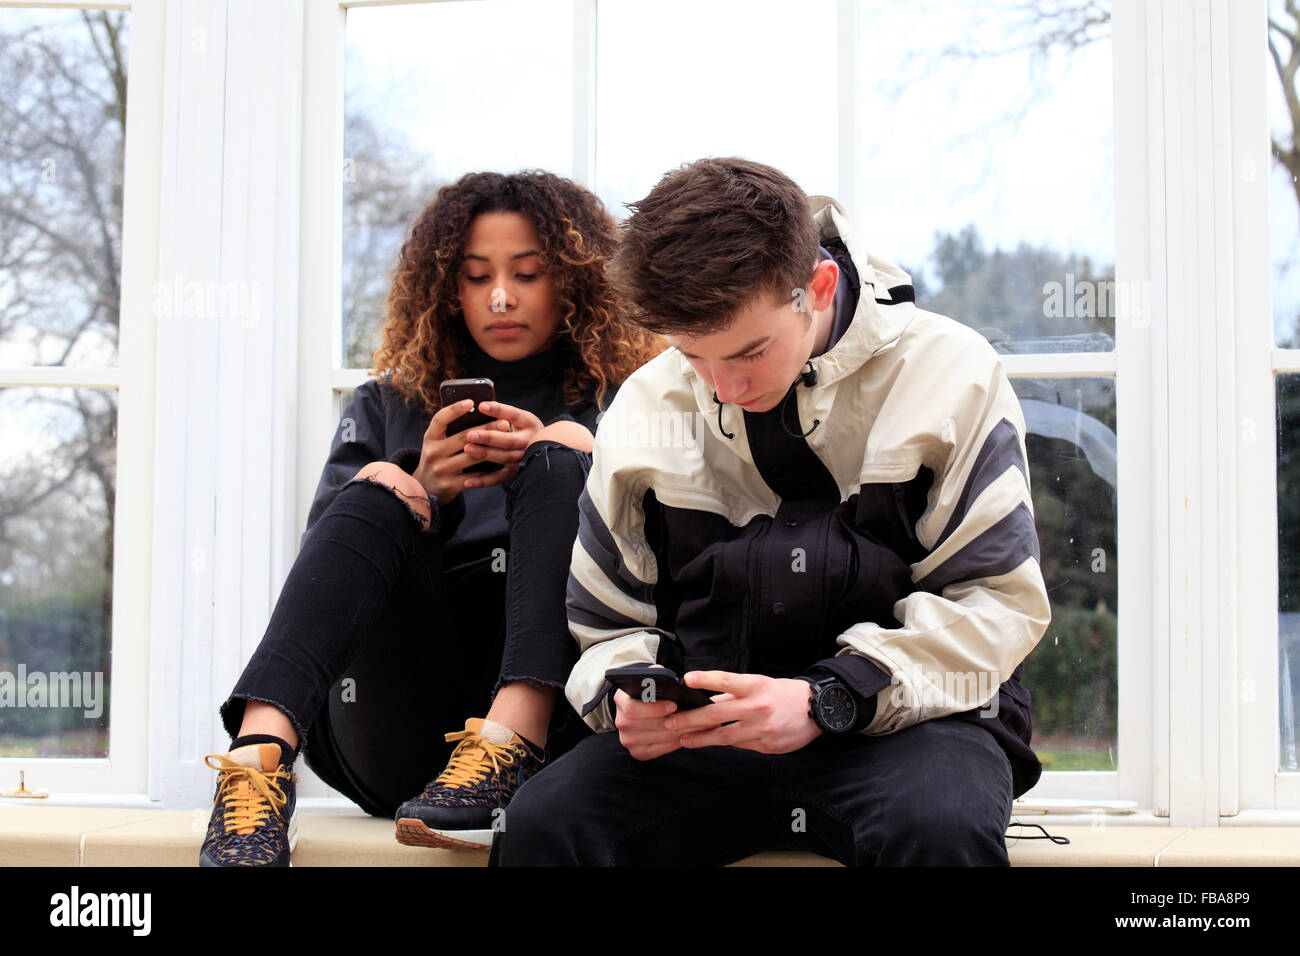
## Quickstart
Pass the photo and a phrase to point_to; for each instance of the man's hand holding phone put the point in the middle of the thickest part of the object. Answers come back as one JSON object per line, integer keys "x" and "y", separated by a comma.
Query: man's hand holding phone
{"x": 769, "y": 715}
{"x": 641, "y": 728}
{"x": 641, "y": 722}
{"x": 764, "y": 714}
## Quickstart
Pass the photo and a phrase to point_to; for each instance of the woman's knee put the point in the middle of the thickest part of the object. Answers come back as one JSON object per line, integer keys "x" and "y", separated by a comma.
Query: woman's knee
{"x": 410, "y": 491}
{"x": 572, "y": 434}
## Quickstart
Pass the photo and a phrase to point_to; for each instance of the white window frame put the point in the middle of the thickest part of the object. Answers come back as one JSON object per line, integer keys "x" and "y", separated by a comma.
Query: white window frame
{"x": 124, "y": 770}
{"x": 1266, "y": 793}
{"x": 1197, "y": 702}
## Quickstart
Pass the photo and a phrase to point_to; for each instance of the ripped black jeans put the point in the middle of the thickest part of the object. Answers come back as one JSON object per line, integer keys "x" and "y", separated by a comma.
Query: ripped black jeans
{"x": 374, "y": 652}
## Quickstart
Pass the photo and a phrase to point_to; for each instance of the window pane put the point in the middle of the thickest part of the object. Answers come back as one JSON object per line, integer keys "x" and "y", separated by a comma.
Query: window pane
{"x": 678, "y": 80}
{"x": 1288, "y": 565}
{"x": 1284, "y": 186}
{"x": 57, "y": 477}
{"x": 987, "y": 165}
{"x": 62, "y": 123}
{"x": 433, "y": 92}
{"x": 1073, "y": 673}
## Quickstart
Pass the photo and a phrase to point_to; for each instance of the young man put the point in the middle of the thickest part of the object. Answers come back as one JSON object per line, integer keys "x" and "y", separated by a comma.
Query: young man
{"x": 817, "y": 505}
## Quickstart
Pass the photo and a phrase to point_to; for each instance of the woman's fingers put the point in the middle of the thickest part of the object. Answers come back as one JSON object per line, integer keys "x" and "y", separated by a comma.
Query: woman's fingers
{"x": 521, "y": 419}
{"x": 437, "y": 429}
{"x": 496, "y": 443}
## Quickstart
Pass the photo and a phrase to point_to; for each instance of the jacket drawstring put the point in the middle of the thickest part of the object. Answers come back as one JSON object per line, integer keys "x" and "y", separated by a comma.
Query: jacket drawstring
{"x": 808, "y": 379}
{"x": 730, "y": 435}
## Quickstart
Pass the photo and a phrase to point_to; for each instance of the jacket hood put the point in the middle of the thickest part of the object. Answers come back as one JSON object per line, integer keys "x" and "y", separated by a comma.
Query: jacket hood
{"x": 885, "y": 306}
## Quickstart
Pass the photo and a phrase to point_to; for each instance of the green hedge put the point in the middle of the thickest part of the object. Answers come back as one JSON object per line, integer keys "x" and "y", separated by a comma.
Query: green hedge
{"x": 1072, "y": 675}
{"x": 59, "y": 632}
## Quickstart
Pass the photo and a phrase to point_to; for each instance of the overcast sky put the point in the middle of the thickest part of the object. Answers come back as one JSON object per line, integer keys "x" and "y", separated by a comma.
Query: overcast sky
{"x": 488, "y": 85}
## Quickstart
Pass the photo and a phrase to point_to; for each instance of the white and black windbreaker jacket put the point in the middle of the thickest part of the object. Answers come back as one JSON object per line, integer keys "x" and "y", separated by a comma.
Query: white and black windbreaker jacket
{"x": 893, "y": 544}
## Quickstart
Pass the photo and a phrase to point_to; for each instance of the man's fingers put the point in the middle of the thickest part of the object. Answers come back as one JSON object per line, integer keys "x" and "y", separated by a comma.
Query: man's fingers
{"x": 704, "y": 718}
{"x": 732, "y": 735}
{"x": 736, "y": 684}
{"x": 652, "y": 753}
{"x": 638, "y": 710}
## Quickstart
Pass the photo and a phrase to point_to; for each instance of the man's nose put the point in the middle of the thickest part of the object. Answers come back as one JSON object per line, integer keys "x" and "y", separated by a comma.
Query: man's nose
{"x": 728, "y": 384}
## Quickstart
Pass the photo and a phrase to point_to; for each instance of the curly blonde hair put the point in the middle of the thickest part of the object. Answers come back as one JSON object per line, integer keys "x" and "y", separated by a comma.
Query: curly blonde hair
{"x": 425, "y": 338}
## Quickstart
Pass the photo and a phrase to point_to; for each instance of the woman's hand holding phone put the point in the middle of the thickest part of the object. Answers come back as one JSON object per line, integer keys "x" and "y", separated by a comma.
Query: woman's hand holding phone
{"x": 503, "y": 441}
{"x": 443, "y": 459}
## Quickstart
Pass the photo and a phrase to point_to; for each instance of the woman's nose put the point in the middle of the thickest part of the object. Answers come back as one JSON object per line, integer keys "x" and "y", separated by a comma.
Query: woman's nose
{"x": 502, "y": 299}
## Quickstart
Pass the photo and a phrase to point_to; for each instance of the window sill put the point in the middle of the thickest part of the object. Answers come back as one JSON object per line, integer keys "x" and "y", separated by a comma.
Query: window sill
{"x": 32, "y": 834}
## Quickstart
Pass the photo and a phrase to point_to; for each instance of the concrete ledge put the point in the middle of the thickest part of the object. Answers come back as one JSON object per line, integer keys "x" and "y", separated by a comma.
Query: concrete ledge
{"x": 1239, "y": 846}
{"x": 35, "y": 835}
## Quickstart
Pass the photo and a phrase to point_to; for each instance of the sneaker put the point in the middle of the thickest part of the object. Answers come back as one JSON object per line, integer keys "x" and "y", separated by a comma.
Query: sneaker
{"x": 254, "y": 814}
{"x": 462, "y": 807}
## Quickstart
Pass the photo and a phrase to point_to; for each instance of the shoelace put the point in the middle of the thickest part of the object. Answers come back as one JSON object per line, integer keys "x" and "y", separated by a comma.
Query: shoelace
{"x": 248, "y": 795}
{"x": 467, "y": 765}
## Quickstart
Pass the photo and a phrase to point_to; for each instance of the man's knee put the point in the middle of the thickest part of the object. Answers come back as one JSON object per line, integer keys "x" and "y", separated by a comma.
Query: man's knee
{"x": 392, "y": 477}
{"x": 953, "y": 816}
{"x": 536, "y": 829}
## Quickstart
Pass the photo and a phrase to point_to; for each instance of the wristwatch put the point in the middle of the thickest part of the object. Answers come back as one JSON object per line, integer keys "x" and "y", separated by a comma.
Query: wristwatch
{"x": 833, "y": 708}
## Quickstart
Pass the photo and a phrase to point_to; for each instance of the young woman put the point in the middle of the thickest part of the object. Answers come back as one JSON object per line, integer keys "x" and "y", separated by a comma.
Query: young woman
{"x": 425, "y": 591}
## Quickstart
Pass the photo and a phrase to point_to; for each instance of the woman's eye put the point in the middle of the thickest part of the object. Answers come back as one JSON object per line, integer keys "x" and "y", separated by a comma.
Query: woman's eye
{"x": 527, "y": 276}
{"x": 477, "y": 279}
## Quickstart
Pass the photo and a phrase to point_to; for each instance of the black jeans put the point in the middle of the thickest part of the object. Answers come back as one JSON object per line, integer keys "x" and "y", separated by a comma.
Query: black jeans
{"x": 374, "y": 652}
{"x": 936, "y": 793}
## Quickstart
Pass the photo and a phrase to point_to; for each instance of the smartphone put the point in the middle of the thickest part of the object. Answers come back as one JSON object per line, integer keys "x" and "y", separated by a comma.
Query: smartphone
{"x": 648, "y": 683}
{"x": 455, "y": 390}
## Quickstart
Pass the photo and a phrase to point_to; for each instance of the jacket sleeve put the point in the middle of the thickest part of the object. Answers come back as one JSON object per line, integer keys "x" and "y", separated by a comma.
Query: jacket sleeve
{"x": 610, "y": 604}
{"x": 981, "y": 605}
{"x": 361, "y": 438}
{"x": 358, "y": 440}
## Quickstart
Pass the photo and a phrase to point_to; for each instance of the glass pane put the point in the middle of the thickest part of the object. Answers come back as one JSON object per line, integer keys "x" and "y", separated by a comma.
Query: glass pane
{"x": 1073, "y": 673}
{"x": 432, "y": 92}
{"x": 1283, "y": 183}
{"x": 62, "y": 124}
{"x": 57, "y": 475}
{"x": 987, "y": 165}
{"x": 1288, "y": 564}
{"x": 678, "y": 80}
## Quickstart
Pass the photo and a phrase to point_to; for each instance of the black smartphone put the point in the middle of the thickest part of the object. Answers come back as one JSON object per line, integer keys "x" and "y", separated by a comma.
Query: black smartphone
{"x": 647, "y": 683}
{"x": 455, "y": 390}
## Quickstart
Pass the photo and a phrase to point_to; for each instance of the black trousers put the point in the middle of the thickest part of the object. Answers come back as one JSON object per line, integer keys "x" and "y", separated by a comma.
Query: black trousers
{"x": 937, "y": 793}
{"x": 374, "y": 652}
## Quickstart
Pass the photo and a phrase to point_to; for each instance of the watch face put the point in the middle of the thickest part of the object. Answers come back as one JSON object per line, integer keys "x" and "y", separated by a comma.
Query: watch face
{"x": 836, "y": 708}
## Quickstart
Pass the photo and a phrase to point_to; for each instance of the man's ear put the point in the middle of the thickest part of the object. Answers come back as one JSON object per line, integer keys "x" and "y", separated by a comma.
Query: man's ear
{"x": 821, "y": 287}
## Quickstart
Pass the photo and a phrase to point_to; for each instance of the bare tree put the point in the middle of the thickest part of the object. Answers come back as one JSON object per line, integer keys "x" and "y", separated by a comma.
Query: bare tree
{"x": 386, "y": 185}
{"x": 1286, "y": 150}
{"x": 63, "y": 112}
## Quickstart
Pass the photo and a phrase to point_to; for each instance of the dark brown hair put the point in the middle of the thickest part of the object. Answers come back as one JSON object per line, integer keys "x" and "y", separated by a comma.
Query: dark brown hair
{"x": 708, "y": 239}
{"x": 425, "y": 338}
